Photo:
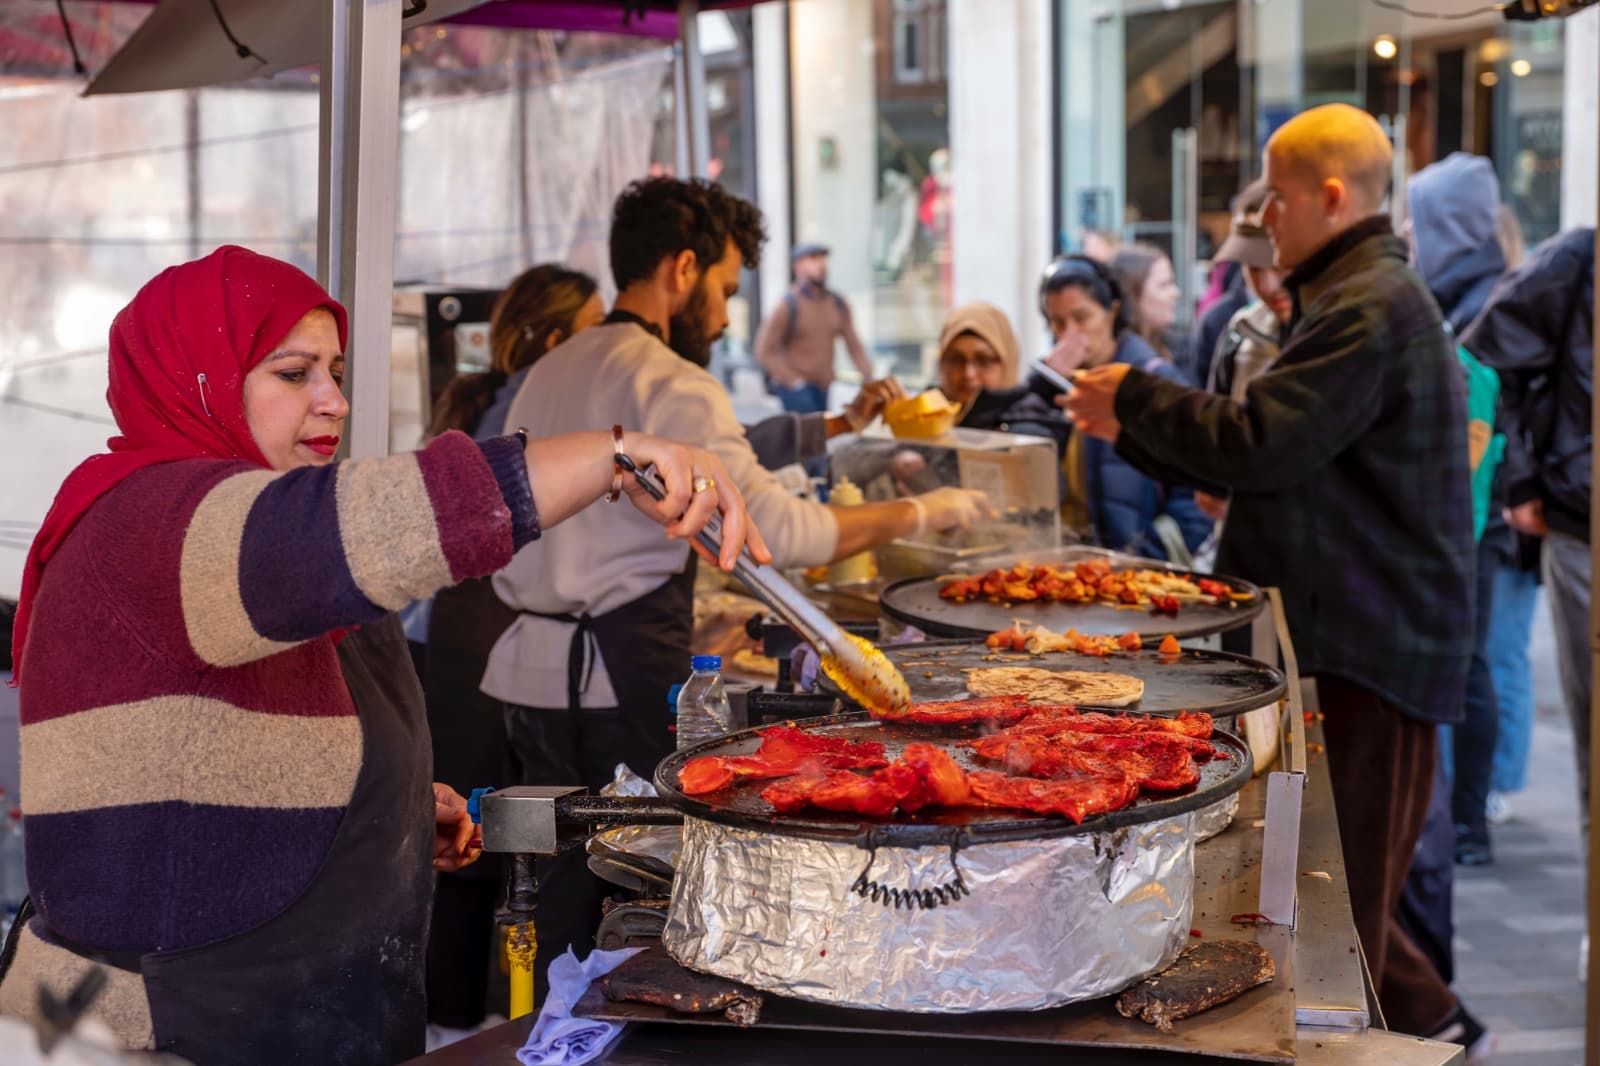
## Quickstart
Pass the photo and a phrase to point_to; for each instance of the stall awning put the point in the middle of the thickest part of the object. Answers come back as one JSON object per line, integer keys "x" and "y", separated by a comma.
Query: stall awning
{"x": 182, "y": 45}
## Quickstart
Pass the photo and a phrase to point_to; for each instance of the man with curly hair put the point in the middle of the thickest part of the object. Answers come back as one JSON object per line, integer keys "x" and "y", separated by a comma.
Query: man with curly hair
{"x": 606, "y": 615}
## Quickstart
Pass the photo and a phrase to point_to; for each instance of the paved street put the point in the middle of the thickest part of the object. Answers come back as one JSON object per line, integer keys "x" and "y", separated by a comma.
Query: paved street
{"x": 1519, "y": 922}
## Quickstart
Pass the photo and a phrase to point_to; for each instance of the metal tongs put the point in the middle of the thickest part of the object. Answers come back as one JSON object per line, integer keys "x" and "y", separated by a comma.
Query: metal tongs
{"x": 856, "y": 665}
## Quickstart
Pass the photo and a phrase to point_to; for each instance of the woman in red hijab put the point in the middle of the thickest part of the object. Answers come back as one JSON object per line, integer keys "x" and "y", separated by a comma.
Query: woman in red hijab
{"x": 228, "y": 808}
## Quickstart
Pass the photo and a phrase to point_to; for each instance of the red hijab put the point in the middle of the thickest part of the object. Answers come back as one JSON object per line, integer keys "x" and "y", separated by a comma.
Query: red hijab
{"x": 179, "y": 355}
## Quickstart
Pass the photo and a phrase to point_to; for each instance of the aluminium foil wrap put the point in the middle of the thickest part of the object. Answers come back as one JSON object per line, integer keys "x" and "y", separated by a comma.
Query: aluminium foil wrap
{"x": 1045, "y": 922}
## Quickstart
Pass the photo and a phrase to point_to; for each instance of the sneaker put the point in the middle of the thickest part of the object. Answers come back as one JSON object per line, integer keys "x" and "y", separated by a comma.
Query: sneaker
{"x": 1463, "y": 1029}
{"x": 1498, "y": 808}
{"x": 1472, "y": 850}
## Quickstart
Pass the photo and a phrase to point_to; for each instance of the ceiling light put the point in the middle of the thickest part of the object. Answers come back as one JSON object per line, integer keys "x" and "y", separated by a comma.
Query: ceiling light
{"x": 1521, "y": 68}
{"x": 1488, "y": 79}
{"x": 1385, "y": 47}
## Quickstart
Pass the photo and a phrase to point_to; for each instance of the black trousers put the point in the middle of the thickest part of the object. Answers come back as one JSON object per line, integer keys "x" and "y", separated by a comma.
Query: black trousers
{"x": 1474, "y": 739}
{"x": 560, "y": 747}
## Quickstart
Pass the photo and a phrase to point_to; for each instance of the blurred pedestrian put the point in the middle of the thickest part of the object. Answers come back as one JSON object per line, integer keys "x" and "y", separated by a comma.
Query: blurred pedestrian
{"x": 1455, "y": 223}
{"x": 1107, "y": 501}
{"x": 1348, "y": 471}
{"x": 1151, "y": 289}
{"x": 1254, "y": 336}
{"x": 1230, "y": 291}
{"x": 1538, "y": 332}
{"x": 795, "y": 345}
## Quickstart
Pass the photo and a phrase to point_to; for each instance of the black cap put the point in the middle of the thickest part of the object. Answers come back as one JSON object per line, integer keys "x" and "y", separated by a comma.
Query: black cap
{"x": 806, "y": 250}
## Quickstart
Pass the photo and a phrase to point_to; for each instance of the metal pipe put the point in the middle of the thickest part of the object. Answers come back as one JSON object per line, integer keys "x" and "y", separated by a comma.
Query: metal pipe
{"x": 522, "y": 944}
{"x": 696, "y": 125}
{"x": 1591, "y": 1054}
{"x": 358, "y": 189}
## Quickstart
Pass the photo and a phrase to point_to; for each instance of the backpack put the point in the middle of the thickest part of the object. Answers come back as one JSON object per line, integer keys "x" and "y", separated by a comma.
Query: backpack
{"x": 1485, "y": 447}
{"x": 792, "y": 306}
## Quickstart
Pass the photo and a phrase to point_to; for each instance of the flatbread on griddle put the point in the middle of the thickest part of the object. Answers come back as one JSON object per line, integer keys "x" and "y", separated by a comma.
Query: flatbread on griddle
{"x": 1082, "y": 687}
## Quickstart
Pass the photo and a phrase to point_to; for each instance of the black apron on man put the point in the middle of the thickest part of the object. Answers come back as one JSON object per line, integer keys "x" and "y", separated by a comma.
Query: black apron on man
{"x": 644, "y": 646}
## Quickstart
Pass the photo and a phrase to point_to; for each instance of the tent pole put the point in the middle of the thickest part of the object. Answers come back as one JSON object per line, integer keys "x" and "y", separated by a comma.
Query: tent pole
{"x": 1591, "y": 1056}
{"x": 692, "y": 90}
{"x": 357, "y": 194}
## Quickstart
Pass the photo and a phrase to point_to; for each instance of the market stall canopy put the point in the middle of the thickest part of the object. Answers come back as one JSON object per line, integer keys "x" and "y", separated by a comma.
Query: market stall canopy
{"x": 184, "y": 44}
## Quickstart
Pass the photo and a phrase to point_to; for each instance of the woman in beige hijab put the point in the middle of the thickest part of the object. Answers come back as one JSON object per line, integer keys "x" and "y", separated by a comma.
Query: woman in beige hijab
{"x": 979, "y": 369}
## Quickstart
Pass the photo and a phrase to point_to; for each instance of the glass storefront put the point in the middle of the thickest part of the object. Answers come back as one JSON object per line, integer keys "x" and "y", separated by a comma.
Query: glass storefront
{"x": 870, "y": 152}
{"x": 1136, "y": 74}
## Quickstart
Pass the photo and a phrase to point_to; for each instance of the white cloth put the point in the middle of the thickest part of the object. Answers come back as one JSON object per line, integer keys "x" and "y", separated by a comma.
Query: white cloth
{"x": 609, "y": 555}
{"x": 559, "y": 1039}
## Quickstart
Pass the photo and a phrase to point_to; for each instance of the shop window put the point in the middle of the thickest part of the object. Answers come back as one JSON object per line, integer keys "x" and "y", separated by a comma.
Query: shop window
{"x": 910, "y": 29}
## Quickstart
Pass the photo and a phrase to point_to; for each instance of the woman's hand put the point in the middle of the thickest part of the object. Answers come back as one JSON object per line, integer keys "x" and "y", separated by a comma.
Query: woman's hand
{"x": 456, "y": 841}
{"x": 870, "y": 402}
{"x": 1069, "y": 354}
{"x": 698, "y": 486}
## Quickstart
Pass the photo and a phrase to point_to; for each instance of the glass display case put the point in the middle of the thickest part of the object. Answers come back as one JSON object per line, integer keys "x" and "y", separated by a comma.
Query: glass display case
{"x": 1020, "y": 475}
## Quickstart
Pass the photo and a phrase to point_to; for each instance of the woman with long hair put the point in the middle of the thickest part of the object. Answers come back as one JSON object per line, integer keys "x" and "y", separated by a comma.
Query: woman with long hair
{"x": 1150, "y": 287}
{"x": 1106, "y": 500}
{"x": 541, "y": 308}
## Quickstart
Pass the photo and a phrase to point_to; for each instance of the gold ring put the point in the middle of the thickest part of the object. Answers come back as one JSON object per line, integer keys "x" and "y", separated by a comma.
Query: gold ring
{"x": 701, "y": 484}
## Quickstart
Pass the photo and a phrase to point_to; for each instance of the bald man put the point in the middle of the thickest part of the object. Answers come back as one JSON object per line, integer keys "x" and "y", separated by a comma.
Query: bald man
{"x": 1346, "y": 468}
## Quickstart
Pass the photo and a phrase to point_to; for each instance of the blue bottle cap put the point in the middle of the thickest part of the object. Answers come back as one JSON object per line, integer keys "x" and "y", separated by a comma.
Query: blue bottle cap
{"x": 706, "y": 662}
{"x": 672, "y": 697}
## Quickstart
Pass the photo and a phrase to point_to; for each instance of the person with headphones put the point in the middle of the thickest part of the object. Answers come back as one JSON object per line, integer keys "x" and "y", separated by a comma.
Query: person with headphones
{"x": 1106, "y": 500}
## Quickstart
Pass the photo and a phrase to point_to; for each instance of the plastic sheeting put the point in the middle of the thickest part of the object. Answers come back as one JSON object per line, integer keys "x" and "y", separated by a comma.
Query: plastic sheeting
{"x": 97, "y": 195}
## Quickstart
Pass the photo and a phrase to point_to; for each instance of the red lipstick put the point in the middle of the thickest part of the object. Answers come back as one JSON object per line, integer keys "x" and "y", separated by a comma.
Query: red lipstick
{"x": 322, "y": 445}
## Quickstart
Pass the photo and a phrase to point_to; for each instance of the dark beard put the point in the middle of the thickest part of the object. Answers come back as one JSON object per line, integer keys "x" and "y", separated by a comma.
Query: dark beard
{"x": 689, "y": 333}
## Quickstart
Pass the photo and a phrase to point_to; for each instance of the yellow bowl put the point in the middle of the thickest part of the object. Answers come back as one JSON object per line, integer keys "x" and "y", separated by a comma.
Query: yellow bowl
{"x": 927, "y": 414}
{"x": 923, "y": 426}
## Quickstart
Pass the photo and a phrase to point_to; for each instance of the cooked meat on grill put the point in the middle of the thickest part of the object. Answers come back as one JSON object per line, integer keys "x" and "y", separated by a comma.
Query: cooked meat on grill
{"x": 1045, "y": 720}
{"x": 990, "y": 709}
{"x": 875, "y": 796}
{"x": 653, "y": 976}
{"x": 1206, "y": 975}
{"x": 1186, "y": 729}
{"x": 1153, "y": 761}
{"x": 943, "y": 783}
{"x": 784, "y": 752}
{"x": 1076, "y": 798}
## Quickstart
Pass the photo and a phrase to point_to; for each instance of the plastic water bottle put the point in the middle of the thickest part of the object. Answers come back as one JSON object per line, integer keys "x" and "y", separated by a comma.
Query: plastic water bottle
{"x": 13, "y": 863}
{"x": 703, "y": 711}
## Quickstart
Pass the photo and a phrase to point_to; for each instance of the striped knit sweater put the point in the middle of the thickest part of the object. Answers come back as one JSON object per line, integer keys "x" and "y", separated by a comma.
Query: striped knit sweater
{"x": 188, "y": 744}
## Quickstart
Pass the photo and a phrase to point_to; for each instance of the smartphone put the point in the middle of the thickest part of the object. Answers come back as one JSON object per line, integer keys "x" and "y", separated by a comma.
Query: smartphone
{"x": 1053, "y": 377}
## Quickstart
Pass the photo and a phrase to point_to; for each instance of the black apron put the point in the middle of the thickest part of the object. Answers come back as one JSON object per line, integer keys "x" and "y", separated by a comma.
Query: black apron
{"x": 645, "y": 646}
{"x": 337, "y": 978}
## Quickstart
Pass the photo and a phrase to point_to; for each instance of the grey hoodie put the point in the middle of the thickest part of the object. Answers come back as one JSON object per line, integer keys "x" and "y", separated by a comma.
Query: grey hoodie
{"x": 1454, "y": 206}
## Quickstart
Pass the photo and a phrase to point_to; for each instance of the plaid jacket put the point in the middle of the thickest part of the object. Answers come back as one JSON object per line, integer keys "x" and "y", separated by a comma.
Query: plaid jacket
{"x": 1346, "y": 467}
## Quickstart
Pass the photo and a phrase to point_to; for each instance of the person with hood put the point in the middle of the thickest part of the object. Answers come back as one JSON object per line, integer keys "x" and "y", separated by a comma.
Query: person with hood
{"x": 1454, "y": 208}
{"x": 1455, "y": 223}
{"x": 1537, "y": 330}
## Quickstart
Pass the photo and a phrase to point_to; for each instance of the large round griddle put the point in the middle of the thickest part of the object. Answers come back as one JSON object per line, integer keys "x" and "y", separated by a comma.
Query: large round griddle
{"x": 916, "y": 602}
{"x": 1219, "y": 683}
{"x": 742, "y": 806}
